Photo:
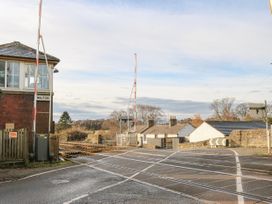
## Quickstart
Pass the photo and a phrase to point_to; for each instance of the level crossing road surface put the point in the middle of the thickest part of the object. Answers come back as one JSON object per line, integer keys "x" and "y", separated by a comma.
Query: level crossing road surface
{"x": 150, "y": 176}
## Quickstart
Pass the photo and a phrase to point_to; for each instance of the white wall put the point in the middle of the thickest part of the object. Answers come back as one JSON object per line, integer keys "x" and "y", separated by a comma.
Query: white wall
{"x": 204, "y": 132}
{"x": 140, "y": 139}
{"x": 172, "y": 135}
{"x": 161, "y": 136}
{"x": 150, "y": 136}
{"x": 145, "y": 137}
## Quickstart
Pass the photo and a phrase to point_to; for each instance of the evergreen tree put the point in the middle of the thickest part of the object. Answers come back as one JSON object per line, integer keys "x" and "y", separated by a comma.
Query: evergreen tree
{"x": 64, "y": 121}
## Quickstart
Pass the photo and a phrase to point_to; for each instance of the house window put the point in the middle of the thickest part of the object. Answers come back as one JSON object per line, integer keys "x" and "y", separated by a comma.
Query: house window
{"x": 43, "y": 77}
{"x": 2, "y": 73}
{"x": 13, "y": 74}
{"x": 29, "y": 76}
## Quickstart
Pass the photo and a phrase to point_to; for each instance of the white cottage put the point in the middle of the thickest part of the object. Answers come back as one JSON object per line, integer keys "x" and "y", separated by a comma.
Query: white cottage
{"x": 173, "y": 130}
{"x": 216, "y": 129}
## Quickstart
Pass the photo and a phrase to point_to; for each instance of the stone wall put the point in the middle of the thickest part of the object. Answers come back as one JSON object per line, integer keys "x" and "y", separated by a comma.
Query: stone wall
{"x": 188, "y": 145}
{"x": 248, "y": 138}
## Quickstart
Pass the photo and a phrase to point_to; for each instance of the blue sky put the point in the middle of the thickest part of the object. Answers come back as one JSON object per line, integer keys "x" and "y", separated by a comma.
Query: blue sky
{"x": 190, "y": 51}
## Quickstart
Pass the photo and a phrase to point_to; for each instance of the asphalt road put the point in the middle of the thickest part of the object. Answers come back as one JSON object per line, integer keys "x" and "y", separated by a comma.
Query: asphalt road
{"x": 150, "y": 176}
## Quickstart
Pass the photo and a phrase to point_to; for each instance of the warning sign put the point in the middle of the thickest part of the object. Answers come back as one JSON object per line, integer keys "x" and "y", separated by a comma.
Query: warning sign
{"x": 12, "y": 135}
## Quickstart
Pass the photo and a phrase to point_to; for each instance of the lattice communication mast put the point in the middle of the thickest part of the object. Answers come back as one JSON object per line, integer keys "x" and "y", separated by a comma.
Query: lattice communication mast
{"x": 132, "y": 108}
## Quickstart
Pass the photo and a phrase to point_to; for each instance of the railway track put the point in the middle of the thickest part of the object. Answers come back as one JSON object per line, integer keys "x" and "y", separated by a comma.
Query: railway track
{"x": 149, "y": 176}
{"x": 68, "y": 149}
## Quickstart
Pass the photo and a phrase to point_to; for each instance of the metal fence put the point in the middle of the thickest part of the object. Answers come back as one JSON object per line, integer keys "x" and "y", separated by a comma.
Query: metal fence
{"x": 126, "y": 140}
{"x": 13, "y": 146}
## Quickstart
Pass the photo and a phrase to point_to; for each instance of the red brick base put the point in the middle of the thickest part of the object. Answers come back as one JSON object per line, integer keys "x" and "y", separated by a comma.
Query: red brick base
{"x": 16, "y": 107}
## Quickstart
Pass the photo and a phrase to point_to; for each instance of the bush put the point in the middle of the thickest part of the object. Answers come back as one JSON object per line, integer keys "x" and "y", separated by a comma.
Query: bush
{"x": 77, "y": 136}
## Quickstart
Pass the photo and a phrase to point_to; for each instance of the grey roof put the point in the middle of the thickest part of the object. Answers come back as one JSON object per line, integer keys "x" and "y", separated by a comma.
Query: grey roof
{"x": 18, "y": 50}
{"x": 141, "y": 128}
{"x": 165, "y": 129}
{"x": 226, "y": 127}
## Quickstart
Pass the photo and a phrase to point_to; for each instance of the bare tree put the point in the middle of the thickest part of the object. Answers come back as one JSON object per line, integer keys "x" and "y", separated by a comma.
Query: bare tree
{"x": 117, "y": 115}
{"x": 146, "y": 112}
{"x": 241, "y": 110}
{"x": 223, "y": 109}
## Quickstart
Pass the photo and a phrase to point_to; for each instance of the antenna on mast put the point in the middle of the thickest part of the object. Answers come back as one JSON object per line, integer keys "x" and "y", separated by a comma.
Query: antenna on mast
{"x": 133, "y": 98}
{"x": 135, "y": 92}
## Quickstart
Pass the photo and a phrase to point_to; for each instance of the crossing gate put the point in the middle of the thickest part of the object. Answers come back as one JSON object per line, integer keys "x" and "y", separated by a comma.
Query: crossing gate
{"x": 13, "y": 146}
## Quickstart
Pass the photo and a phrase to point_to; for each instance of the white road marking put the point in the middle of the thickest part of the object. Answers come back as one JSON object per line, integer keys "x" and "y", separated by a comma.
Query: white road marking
{"x": 120, "y": 182}
{"x": 259, "y": 171}
{"x": 207, "y": 154}
{"x": 239, "y": 186}
{"x": 59, "y": 181}
{"x": 55, "y": 170}
{"x": 154, "y": 185}
{"x": 197, "y": 169}
{"x": 170, "y": 179}
{"x": 50, "y": 171}
{"x": 149, "y": 184}
{"x": 75, "y": 199}
{"x": 2, "y": 182}
{"x": 158, "y": 155}
{"x": 199, "y": 164}
{"x": 153, "y": 164}
{"x": 156, "y": 150}
{"x": 107, "y": 157}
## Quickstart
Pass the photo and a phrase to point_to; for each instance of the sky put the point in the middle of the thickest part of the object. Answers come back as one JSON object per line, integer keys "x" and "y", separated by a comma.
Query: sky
{"x": 190, "y": 52}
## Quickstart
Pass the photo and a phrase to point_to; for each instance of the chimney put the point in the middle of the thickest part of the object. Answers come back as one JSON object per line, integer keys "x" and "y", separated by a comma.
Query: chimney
{"x": 151, "y": 123}
{"x": 172, "y": 121}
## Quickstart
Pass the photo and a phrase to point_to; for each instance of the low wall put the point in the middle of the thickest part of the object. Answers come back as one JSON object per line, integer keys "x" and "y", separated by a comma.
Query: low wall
{"x": 188, "y": 145}
{"x": 248, "y": 138}
{"x": 155, "y": 142}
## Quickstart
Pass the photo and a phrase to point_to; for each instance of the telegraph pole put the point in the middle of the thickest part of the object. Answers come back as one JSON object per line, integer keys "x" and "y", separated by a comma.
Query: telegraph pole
{"x": 265, "y": 118}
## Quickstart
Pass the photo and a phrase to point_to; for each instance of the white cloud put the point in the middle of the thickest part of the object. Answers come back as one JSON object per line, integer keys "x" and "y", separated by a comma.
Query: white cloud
{"x": 94, "y": 38}
{"x": 90, "y": 37}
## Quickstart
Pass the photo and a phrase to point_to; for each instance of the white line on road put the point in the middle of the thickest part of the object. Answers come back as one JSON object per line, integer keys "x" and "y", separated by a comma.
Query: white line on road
{"x": 171, "y": 179}
{"x": 120, "y": 182}
{"x": 111, "y": 156}
{"x": 149, "y": 184}
{"x": 75, "y": 199}
{"x": 206, "y": 154}
{"x": 239, "y": 186}
{"x": 55, "y": 170}
{"x": 50, "y": 171}
{"x": 197, "y": 169}
{"x": 146, "y": 183}
{"x": 144, "y": 153}
{"x": 2, "y": 182}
